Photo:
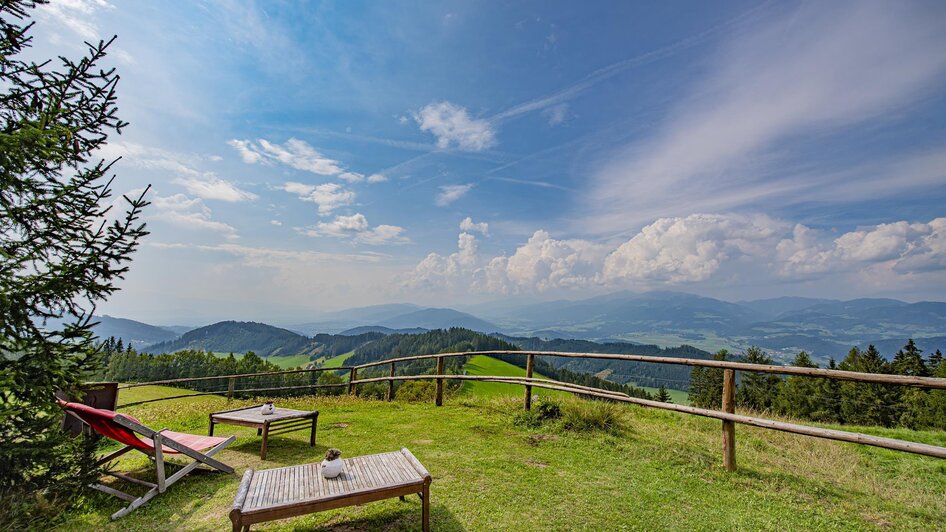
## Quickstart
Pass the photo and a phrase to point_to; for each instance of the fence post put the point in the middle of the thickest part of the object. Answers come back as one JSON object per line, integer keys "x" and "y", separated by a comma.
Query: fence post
{"x": 352, "y": 376}
{"x": 530, "y": 361}
{"x": 391, "y": 384}
{"x": 231, "y": 384}
{"x": 439, "y": 381}
{"x": 729, "y": 427}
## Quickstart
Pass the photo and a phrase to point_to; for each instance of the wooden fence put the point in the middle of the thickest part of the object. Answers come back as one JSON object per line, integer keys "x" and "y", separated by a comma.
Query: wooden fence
{"x": 727, "y": 414}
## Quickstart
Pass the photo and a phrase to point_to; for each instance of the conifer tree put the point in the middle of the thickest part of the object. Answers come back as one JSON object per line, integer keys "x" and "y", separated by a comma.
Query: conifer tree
{"x": 58, "y": 255}
{"x": 913, "y": 401}
{"x": 706, "y": 384}
{"x": 662, "y": 395}
{"x": 828, "y": 403}
{"x": 863, "y": 403}
{"x": 799, "y": 396}
{"x": 757, "y": 391}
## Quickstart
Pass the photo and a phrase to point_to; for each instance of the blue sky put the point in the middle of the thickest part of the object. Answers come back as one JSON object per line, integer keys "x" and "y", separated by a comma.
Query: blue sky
{"x": 310, "y": 156}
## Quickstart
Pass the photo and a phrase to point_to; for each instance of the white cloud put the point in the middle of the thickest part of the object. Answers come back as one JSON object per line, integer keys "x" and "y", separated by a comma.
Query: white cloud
{"x": 544, "y": 263}
{"x": 713, "y": 249}
{"x": 556, "y": 114}
{"x": 328, "y": 196}
{"x": 189, "y": 213}
{"x": 199, "y": 183}
{"x": 294, "y": 153}
{"x": 815, "y": 70}
{"x": 901, "y": 246}
{"x": 469, "y": 226}
{"x": 277, "y": 223}
{"x": 450, "y": 193}
{"x": 377, "y": 178}
{"x": 212, "y": 187}
{"x": 76, "y": 15}
{"x": 690, "y": 249}
{"x": 452, "y": 126}
{"x": 351, "y": 177}
{"x": 356, "y": 228}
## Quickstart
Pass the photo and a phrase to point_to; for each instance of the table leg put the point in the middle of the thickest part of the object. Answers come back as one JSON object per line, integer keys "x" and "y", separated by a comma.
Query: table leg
{"x": 426, "y": 508}
{"x": 312, "y": 433}
{"x": 262, "y": 451}
{"x": 211, "y": 431}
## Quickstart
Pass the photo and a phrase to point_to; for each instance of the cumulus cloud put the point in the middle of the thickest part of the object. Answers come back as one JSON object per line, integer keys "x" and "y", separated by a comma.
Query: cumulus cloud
{"x": 544, "y": 263}
{"x": 351, "y": 177}
{"x": 377, "y": 178}
{"x": 902, "y": 246}
{"x": 356, "y": 228}
{"x": 328, "y": 196}
{"x": 469, "y": 226}
{"x": 189, "y": 213}
{"x": 450, "y": 193}
{"x": 690, "y": 249}
{"x": 453, "y": 126}
{"x": 674, "y": 251}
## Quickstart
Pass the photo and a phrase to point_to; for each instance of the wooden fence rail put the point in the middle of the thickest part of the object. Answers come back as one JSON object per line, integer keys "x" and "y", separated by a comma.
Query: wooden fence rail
{"x": 726, "y": 415}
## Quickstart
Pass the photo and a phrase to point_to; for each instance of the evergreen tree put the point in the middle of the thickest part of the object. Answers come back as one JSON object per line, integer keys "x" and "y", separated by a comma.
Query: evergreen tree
{"x": 828, "y": 403}
{"x": 58, "y": 258}
{"x": 799, "y": 396}
{"x": 867, "y": 403}
{"x": 706, "y": 384}
{"x": 913, "y": 401}
{"x": 909, "y": 361}
{"x": 662, "y": 395}
{"x": 757, "y": 391}
{"x": 935, "y": 360}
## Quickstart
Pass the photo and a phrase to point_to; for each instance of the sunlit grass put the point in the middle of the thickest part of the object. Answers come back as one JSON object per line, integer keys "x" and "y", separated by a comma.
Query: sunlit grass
{"x": 657, "y": 470}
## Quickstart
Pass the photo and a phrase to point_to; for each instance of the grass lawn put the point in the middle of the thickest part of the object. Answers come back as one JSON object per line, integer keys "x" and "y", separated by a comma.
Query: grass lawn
{"x": 677, "y": 396}
{"x": 660, "y": 471}
{"x": 485, "y": 365}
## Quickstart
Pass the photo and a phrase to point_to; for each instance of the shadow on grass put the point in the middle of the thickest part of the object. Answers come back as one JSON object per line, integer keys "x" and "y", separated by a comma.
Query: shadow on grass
{"x": 405, "y": 516}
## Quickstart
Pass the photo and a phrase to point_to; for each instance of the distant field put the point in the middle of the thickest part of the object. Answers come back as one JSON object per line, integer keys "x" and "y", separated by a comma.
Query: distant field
{"x": 285, "y": 362}
{"x": 484, "y": 365}
{"x": 337, "y": 361}
{"x": 678, "y": 397}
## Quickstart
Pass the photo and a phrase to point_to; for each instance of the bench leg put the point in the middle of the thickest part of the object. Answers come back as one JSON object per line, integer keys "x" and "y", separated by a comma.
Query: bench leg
{"x": 312, "y": 434}
{"x": 426, "y": 508}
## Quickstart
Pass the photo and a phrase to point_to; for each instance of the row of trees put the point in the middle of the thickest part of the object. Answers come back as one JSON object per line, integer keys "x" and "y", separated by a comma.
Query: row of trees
{"x": 830, "y": 400}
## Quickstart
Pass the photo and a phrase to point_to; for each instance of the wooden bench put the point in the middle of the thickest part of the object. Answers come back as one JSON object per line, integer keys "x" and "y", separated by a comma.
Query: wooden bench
{"x": 292, "y": 491}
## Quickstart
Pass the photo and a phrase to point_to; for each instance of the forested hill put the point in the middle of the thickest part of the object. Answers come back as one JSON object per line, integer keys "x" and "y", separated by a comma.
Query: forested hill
{"x": 237, "y": 337}
{"x": 639, "y": 373}
{"x": 437, "y": 341}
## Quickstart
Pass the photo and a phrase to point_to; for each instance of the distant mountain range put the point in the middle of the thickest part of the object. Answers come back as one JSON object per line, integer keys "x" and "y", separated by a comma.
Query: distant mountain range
{"x": 783, "y": 326}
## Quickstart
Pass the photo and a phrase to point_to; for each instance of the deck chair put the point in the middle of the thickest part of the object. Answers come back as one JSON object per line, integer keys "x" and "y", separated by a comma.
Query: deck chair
{"x": 154, "y": 443}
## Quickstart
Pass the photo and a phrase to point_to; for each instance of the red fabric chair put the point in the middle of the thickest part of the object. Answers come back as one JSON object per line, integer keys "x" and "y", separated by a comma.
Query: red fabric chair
{"x": 135, "y": 436}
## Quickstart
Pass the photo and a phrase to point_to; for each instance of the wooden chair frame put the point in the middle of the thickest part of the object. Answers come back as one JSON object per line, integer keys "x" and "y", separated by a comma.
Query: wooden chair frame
{"x": 157, "y": 455}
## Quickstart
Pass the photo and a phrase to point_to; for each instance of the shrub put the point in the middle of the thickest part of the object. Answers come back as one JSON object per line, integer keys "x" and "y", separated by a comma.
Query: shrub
{"x": 416, "y": 391}
{"x": 548, "y": 409}
{"x": 527, "y": 419}
{"x": 583, "y": 415}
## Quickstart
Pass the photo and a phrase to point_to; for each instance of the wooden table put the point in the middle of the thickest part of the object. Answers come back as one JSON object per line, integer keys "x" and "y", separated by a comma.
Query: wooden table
{"x": 282, "y": 421}
{"x": 291, "y": 491}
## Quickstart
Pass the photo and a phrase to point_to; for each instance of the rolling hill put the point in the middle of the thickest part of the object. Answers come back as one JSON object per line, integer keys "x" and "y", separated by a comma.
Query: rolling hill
{"x": 237, "y": 337}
